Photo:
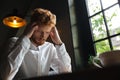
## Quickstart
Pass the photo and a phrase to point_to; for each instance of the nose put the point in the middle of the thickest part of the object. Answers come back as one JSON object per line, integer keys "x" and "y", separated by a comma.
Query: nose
{"x": 42, "y": 34}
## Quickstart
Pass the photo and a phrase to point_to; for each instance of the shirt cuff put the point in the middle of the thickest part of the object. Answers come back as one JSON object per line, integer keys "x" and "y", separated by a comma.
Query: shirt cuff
{"x": 61, "y": 48}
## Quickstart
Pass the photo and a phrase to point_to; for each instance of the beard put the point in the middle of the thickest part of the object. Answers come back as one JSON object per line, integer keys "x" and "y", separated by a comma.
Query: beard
{"x": 37, "y": 41}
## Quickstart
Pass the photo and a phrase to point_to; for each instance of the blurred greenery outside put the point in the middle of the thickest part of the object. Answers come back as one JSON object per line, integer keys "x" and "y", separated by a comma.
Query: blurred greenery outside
{"x": 99, "y": 30}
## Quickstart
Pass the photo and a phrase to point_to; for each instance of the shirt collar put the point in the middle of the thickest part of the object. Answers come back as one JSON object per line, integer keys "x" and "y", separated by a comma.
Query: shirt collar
{"x": 33, "y": 47}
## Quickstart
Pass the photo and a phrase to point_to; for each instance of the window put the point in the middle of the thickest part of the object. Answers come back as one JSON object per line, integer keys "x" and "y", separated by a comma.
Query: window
{"x": 104, "y": 17}
{"x": 74, "y": 33}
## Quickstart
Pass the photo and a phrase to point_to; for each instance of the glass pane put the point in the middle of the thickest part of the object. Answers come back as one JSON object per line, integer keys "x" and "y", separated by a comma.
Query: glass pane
{"x": 77, "y": 57}
{"x": 116, "y": 42}
{"x": 113, "y": 19}
{"x": 102, "y": 46}
{"x": 98, "y": 27}
{"x": 107, "y": 3}
{"x": 93, "y": 6}
{"x": 75, "y": 36}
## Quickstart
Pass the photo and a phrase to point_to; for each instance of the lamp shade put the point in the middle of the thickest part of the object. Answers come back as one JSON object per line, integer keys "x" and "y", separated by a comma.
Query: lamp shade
{"x": 14, "y": 20}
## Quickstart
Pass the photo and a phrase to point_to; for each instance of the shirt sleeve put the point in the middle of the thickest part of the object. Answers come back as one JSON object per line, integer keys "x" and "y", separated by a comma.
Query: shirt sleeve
{"x": 16, "y": 56}
{"x": 61, "y": 62}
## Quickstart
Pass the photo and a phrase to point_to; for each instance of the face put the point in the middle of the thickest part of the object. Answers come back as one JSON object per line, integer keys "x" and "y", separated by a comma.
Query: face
{"x": 41, "y": 34}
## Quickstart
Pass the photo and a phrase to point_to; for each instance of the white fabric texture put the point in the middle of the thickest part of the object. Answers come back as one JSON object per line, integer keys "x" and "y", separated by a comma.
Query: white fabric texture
{"x": 27, "y": 60}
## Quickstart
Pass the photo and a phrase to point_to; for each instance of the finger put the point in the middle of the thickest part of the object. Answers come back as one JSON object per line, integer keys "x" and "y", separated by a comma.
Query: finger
{"x": 30, "y": 29}
{"x": 33, "y": 25}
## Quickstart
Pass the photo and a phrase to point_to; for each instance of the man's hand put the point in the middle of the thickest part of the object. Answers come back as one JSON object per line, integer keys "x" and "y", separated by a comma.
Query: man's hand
{"x": 30, "y": 30}
{"x": 55, "y": 36}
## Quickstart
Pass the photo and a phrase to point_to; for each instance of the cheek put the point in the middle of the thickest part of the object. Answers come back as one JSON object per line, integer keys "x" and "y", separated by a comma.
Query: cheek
{"x": 35, "y": 35}
{"x": 45, "y": 37}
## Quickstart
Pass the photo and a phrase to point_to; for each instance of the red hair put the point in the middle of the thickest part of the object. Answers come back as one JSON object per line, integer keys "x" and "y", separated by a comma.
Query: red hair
{"x": 43, "y": 17}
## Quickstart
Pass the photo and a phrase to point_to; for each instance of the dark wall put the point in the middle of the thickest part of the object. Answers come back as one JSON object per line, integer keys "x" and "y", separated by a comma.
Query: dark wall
{"x": 60, "y": 8}
{"x": 86, "y": 46}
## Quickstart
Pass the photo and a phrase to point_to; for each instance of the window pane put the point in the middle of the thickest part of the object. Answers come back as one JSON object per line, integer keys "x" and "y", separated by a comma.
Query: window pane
{"x": 77, "y": 57}
{"x": 93, "y": 6}
{"x": 75, "y": 36}
{"x": 102, "y": 46}
{"x": 116, "y": 42}
{"x": 113, "y": 19}
{"x": 98, "y": 27}
{"x": 107, "y": 3}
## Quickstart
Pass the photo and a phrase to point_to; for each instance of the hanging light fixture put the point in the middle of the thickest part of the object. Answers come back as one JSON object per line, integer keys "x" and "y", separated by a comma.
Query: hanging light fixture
{"x": 14, "y": 20}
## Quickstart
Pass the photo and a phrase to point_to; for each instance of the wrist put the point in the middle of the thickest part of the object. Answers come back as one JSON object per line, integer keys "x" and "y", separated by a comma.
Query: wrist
{"x": 59, "y": 43}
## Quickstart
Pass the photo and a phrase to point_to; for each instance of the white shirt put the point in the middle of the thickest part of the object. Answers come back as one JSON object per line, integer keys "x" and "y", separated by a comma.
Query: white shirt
{"x": 27, "y": 60}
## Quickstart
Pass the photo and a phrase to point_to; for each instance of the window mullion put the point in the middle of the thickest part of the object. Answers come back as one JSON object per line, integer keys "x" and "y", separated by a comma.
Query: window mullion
{"x": 110, "y": 43}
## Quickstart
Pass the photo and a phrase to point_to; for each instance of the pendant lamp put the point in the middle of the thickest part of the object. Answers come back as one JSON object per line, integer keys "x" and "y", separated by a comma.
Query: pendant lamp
{"x": 14, "y": 20}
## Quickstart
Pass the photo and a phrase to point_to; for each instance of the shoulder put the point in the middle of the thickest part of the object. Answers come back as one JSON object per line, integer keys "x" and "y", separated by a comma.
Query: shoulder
{"x": 13, "y": 39}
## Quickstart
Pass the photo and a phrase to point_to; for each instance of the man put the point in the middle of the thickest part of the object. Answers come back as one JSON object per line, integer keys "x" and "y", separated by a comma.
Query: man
{"x": 31, "y": 55}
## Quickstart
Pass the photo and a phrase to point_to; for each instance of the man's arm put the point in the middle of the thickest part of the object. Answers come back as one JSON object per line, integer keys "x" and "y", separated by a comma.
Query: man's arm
{"x": 55, "y": 36}
{"x": 18, "y": 51}
{"x": 15, "y": 58}
{"x": 62, "y": 60}
{"x": 64, "y": 57}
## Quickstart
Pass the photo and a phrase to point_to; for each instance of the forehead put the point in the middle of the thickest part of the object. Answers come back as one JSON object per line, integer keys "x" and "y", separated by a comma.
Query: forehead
{"x": 45, "y": 27}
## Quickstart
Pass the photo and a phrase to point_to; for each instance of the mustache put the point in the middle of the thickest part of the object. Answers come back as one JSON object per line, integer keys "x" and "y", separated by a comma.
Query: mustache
{"x": 42, "y": 39}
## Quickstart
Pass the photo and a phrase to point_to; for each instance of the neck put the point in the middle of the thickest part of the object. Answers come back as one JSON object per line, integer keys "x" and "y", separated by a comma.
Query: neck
{"x": 34, "y": 43}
